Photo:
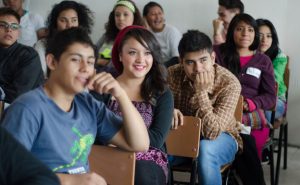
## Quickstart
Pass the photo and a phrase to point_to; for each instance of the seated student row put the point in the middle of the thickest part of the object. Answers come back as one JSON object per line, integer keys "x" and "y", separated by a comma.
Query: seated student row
{"x": 136, "y": 67}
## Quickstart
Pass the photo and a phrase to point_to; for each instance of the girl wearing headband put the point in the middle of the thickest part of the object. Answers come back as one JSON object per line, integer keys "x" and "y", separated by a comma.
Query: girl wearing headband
{"x": 168, "y": 36}
{"x": 124, "y": 13}
{"x": 136, "y": 56}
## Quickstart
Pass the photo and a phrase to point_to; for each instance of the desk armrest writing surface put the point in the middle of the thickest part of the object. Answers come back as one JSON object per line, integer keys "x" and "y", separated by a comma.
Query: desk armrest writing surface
{"x": 184, "y": 141}
{"x": 115, "y": 165}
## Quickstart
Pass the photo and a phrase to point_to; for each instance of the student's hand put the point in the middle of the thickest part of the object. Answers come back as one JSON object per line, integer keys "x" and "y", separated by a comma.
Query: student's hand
{"x": 177, "y": 119}
{"x": 245, "y": 106}
{"x": 217, "y": 26}
{"x": 105, "y": 83}
{"x": 79, "y": 179}
{"x": 203, "y": 81}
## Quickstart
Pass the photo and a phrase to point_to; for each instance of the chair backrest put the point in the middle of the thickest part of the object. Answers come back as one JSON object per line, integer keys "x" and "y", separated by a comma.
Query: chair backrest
{"x": 275, "y": 105}
{"x": 184, "y": 141}
{"x": 115, "y": 165}
{"x": 238, "y": 114}
{"x": 1, "y": 108}
{"x": 287, "y": 74}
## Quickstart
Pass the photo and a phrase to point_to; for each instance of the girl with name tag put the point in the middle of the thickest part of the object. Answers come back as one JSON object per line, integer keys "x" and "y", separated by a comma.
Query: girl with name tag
{"x": 269, "y": 46}
{"x": 253, "y": 69}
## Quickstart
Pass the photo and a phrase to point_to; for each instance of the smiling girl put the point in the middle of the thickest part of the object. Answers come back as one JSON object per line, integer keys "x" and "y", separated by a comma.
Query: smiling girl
{"x": 253, "y": 69}
{"x": 136, "y": 57}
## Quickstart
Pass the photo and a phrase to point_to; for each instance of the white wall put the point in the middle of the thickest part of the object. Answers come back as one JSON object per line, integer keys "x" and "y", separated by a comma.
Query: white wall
{"x": 198, "y": 14}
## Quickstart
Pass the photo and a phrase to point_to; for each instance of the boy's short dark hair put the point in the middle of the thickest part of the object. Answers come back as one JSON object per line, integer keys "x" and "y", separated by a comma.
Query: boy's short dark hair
{"x": 232, "y": 5}
{"x": 4, "y": 11}
{"x": 193, "y": 41}
{"x": 63, "y": 39}
{"x": 150, "y": 5}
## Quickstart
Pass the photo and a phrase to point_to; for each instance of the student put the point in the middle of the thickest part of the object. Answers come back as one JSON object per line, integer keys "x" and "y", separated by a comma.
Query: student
{"x": 59, "y": 122}
{"x": 136, "y": 57}
{"x": 168, "y": 36}
{"x": 254, "y": 71}
{"x": 124, "y": 13}
{"x": 32, "y": 24}
{"x": 206, "y": 90}
{"x": 18, "y": 166}
{"x": 269, "y": 46}
{"x": 227, "y": 10}
{"x": 20, "y": 66}
{"x": 64, "y": 15}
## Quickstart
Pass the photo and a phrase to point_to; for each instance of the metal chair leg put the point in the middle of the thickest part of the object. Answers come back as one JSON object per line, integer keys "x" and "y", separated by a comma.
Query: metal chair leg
{"x": 272, "y": 163}
{"x": 285, "y": 145}
{"x": 279, "y": 154}
{"x": 194, "y": 172}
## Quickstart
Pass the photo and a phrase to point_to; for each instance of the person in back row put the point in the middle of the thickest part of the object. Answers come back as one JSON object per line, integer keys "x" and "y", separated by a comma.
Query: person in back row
{"x": 64, "y": 15}
{"x": 253, "y": 69}
{"x": 125, "y": 13}
{"x": 168, "y": 36}
{"x": 269, "y": 46}
{"x": 32, "y": 24}
{"x": 20, "y": 66}
{"x": 59, "y": 122}
{"x": 206, "y": 90}
{"x": 227, "y": 10}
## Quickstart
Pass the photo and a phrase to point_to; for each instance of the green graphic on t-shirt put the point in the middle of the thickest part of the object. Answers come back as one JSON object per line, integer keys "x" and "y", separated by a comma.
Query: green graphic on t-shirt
{"x": 81, "y": 147}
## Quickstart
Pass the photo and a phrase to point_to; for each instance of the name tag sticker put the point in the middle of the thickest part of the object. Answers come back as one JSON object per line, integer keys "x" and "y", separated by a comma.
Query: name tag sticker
{"x": 253, "y": 72}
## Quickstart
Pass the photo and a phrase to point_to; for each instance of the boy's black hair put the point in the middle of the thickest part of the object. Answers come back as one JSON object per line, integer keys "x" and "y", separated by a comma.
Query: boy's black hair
{"x": 150, "y": 5}
{"x": 232, "y": 5}
{"x": 193, "y": 41}
{"x": 64, "y": 39}
{"x": 4, "y": 11}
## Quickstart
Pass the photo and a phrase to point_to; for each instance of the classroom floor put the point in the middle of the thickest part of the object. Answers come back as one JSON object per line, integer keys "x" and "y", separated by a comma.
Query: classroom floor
{"x": 290, "y": 176}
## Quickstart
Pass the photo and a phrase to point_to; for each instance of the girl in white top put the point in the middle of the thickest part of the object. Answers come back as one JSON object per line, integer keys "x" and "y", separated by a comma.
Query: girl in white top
{"x": 64, "y": 15}
{"x": 168, "y": 36}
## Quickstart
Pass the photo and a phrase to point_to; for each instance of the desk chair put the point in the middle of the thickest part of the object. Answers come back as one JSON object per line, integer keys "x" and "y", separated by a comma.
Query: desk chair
{"x": 115, "y": 165}
{"x": 192, "y": 168}
{"x": 269, "y": 143}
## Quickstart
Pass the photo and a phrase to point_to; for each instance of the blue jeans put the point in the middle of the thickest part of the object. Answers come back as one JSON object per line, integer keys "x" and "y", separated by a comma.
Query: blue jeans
{"x": 279, "y": 111}
{"x": 212, "y": 155}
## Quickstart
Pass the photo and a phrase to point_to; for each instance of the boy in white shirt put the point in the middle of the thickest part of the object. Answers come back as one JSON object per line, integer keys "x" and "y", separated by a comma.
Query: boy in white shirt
{"x": 32, "y": 24}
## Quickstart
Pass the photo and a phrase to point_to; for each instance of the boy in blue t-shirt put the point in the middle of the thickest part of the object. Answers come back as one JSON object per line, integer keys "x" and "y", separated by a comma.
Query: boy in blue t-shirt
{"x": 59, "y": 122}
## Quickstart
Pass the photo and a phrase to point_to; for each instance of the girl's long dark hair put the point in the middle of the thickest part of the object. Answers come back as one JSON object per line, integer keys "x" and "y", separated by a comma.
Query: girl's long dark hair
{"x": 111, "y": 28}
{"x": 156, "y": 79}
{"x": 230, "y": 53}
{"x": 85, "y": 16}
{"x": 274, "y": 49}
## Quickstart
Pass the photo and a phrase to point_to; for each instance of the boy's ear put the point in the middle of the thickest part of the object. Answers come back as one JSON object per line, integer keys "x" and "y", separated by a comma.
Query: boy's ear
{"x": 51, "y": 62}
{"x": 213, "y": 57}
{"x": 180, "y": 62}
